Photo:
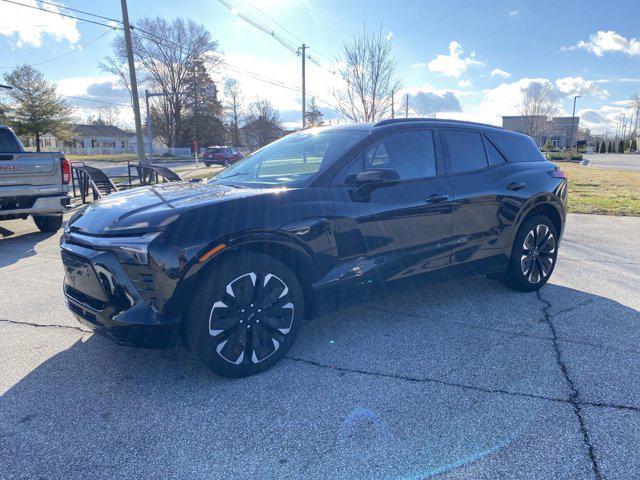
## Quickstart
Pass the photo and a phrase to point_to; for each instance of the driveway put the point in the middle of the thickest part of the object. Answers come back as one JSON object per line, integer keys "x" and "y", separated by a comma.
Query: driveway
{"x": 458, "y": 380}
{"x": 612, "y": 161}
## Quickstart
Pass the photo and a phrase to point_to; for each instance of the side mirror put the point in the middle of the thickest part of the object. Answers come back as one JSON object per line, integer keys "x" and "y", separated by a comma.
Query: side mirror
{"x": 378, "y": 175}
{"x": 368, "y": 180}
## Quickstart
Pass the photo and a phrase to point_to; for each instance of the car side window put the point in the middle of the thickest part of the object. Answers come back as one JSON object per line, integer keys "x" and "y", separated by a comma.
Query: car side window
{"x": 494, "y": 155}
{"x": 411, "y": 154}
{"x": 466, "y": 150}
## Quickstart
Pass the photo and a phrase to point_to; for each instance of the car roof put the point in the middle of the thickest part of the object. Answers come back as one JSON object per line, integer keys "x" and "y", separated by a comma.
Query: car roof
{"x": 391, "y": 123}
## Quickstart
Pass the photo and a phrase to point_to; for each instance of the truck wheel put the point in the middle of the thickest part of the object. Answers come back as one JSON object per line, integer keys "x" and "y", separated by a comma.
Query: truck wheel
{"x": 48, "y": 223}
{"x": 245, "y": 316}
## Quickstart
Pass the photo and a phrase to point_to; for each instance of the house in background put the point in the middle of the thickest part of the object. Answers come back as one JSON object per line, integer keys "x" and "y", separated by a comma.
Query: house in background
{"x": 87, "y": 139}
{"x": 556, "y": 129}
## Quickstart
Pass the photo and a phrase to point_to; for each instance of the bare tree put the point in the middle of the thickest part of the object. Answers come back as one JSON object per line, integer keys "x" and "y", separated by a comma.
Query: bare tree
{"x": 263, "y": 124}
{"x": 538, "y": 106}
{"x": 165, "y": 56}
{"x": 369, "y": 77}
{"x": 109, "y": 115}
{"x": 234, "y": 108}
{"x": 635, "y": 104}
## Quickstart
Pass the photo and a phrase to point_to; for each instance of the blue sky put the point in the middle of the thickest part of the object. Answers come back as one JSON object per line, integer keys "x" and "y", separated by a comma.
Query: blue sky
{"x": 470, "y": 58}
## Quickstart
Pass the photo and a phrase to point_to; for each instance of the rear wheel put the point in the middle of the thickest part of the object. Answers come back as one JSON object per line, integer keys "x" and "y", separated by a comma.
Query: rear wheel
{"x": 206, "y": 164}
{"x": 245, "y": 316}
{"x": 534, "y": 255}
{"x": 48, "y": 223}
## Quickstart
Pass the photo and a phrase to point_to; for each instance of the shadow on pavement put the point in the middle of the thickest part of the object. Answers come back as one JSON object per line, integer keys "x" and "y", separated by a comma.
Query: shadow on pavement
{"x": 418, "y": 382}
{"x": 16, "y": 247}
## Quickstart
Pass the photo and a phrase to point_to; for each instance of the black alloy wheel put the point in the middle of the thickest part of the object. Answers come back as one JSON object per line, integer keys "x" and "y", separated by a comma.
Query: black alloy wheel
{"x": 245, "y": 316}
{"x": 534, "y": 254}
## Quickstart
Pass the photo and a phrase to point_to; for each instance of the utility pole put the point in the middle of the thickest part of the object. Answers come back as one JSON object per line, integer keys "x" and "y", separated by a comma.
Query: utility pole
{"x": 303, "y": 49}
{"x": 406, "y": 107}
{"x": 573, "y": 117}
{"x": 393, "y": 110}
{"x": 149, "y": 133}
{"x": 134, "y": 84}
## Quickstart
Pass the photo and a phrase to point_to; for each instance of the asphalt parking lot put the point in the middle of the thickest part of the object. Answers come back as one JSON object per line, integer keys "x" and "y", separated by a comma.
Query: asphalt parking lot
{"x": 613, "y": 161}
{"x": 457, "y": 380}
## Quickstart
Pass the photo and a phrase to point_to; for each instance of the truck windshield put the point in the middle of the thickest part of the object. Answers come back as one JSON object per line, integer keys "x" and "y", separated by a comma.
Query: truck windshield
{"x": 292, "y": 159}
{"x": 8, "y": 142}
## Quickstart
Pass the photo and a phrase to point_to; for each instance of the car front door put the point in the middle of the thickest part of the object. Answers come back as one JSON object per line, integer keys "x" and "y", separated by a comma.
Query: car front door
{"x": 488, "y": 193}
{"x": 395, "y": 229}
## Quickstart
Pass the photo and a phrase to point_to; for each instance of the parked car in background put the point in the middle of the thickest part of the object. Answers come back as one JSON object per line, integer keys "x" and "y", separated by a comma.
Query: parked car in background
{"x": 220, "y": 155}
{"x": 32, "y": 184}
{"x": 233, "y": 265}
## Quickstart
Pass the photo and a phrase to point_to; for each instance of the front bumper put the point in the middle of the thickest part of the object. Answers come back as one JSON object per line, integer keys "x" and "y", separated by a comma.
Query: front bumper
{"x": 104, "y": 298}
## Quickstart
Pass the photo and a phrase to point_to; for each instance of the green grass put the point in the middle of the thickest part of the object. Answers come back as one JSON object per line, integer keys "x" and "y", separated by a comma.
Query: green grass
{"x": 119, "y": 157}
{"x": 606, "y": 192}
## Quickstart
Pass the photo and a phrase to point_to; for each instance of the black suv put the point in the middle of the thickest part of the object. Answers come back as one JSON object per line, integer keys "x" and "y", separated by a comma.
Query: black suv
{"x": 231, "y": 266}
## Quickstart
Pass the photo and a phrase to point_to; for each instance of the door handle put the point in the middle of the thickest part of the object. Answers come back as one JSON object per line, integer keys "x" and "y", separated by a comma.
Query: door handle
{"x": 515, "y": 186}
{"x": 436, "y": 198}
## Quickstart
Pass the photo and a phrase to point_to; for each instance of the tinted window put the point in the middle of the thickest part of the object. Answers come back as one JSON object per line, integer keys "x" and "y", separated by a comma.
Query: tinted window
{"x": 411, "y": 154}
{"x": 8, "y": 142}
{"x": 466, "y": 150}
{"x": 518, "y": 148}
{"x": 495, "y": 157}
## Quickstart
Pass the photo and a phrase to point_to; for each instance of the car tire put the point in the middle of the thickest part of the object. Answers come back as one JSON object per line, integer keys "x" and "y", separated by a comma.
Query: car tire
{"x": 245, "y": 315}
{"x": 533, "y": 256}
{"x": 207, "y": 164}
{"x": 48, "y": 223}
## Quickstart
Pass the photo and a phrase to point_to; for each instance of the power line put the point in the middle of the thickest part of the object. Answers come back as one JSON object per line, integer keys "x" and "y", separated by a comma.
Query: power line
{"x": 62, "y": 14}
{"x": 79, "y": 47}
{"x": 64, "y": 7}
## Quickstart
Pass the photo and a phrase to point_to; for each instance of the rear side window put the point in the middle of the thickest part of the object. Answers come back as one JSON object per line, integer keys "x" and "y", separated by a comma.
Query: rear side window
{"x": 8, "y": 143}
{"x": 466, "y": 150}
{"x": 518, "y": 148}
{"x": 495, "y": 157}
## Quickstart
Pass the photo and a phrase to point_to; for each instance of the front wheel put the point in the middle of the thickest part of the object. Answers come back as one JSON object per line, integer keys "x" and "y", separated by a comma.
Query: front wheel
{"x": 533, "y": 256}
{"x": 48, "y": 223}
{"x": 245, "y": 315}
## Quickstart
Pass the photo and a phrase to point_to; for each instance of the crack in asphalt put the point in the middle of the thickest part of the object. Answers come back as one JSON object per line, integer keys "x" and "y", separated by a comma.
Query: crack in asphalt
{"x": 574, "y": 397}
{"x": 44, "y": 325}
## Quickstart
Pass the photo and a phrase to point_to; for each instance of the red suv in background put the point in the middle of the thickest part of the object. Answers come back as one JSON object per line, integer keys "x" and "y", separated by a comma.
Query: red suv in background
{"x": 220, "y": 155}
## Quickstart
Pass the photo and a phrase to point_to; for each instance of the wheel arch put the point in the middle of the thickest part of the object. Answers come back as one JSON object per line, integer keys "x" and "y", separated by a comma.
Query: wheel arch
{"x": 548, "y": 205}
{"x": 291, "y": 254}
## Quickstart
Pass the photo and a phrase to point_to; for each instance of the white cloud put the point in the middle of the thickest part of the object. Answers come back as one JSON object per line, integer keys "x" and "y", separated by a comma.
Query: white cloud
{"x": 580, "y": 86}
{"x": 603, "y": 119}
{"x": 513, "y": 13}
{"x": 605, "y": 42}
{"x": 498, "y": 72}
{"x": 30, "y": 25}
{"x": 464, "y": 83}
{"x": 454, "y": 64}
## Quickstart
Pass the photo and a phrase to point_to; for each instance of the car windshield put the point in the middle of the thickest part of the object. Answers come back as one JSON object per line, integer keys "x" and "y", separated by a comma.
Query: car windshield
{"x": 292, "y": 159}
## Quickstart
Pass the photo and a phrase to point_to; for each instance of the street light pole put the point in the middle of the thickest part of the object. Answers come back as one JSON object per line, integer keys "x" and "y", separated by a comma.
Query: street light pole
{"x": 303, "y": 49}
{"x": 573, "y": 117}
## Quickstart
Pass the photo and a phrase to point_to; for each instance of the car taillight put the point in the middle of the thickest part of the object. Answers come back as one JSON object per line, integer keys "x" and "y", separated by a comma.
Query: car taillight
{"x": 66, "y": 170}
{"x": 557, "y": 174}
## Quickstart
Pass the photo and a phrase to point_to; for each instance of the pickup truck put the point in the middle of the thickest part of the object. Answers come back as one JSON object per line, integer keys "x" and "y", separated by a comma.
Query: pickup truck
{"x": 32, "y": 184}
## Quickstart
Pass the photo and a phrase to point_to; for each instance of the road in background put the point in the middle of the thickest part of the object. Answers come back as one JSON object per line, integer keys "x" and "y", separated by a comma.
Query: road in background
{"x": 613, "y": 161}
{"x": 464, "y": 379}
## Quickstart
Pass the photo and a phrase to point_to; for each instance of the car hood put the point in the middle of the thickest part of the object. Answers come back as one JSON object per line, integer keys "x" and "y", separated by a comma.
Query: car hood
{"x": 150, "y": 208}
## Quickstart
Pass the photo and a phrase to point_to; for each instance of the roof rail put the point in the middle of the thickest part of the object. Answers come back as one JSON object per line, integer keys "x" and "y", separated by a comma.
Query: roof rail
{"x": 391, "y": 121}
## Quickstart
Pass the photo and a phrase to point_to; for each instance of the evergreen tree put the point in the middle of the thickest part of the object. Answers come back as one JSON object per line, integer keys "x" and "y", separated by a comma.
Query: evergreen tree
{"x": 597, "y": 146}
{"x": 634, "y": 145}
{"x": 621, "y": 147}
{"x": 603, "y": 147}
{"x": 34, "y": 107}
{"x": 610, "y": 147}
{"x": 313, "y": 115}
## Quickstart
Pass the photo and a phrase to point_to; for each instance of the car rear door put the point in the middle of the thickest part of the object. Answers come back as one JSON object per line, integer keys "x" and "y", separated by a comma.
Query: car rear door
{"x": 488, "y": 193}
{"x": 398, "y": 229}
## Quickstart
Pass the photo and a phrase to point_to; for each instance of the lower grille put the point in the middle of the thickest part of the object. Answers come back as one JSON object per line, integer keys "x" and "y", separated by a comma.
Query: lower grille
{"x": 81, "y": 282}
